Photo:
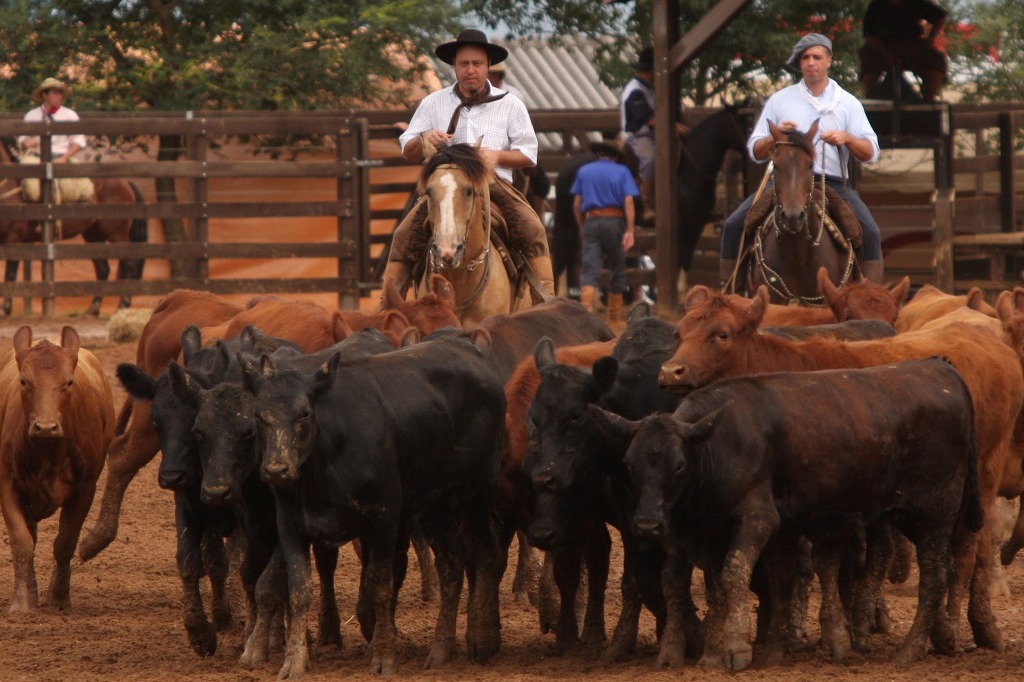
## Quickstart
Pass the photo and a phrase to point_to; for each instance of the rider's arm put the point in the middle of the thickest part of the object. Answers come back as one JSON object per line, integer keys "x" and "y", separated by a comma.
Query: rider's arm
{"x": 506, "y": 159}
{"x": 860, "y": 147}
{"x": 577, "y": 205}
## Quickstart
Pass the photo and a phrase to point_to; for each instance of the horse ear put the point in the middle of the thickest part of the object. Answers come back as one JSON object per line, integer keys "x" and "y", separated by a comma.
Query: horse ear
{"x": 428, "y": 149}
{"x": 813, "y": 130}
{"x": 777, "y": 134}
{"x": 479, "y": 142}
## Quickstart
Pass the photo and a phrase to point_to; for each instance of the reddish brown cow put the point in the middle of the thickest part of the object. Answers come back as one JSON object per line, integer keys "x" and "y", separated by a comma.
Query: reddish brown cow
{"x": 863, "y": 300}
{"x": 432, "y": 311}
{"x": 718, "y": 339}
{"x": 930, "y": 303}
{"x": 57, "y": 413}
{"x": 135, "y": 442}
{"x": 302, "y": 322}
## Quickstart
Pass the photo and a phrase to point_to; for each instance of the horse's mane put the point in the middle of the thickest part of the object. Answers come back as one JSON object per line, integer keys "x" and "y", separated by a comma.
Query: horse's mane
{"x": 465, "y": 156}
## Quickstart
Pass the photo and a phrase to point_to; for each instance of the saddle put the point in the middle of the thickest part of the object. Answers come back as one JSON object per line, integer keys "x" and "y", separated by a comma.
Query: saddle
{"x": 836, "y": 210}
{"x": 67, "y": 190}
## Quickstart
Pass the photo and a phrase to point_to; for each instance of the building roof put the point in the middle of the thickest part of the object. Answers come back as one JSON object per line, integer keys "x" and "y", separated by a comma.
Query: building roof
{"x": 550, "y": 76}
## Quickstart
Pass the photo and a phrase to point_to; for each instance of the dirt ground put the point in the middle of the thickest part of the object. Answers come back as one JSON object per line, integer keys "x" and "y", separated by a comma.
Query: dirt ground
{"x": 125, "y": 622}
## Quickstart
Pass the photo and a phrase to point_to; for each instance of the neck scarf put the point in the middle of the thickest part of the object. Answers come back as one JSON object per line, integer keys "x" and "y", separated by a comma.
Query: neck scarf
{"x": 467, "y": 102}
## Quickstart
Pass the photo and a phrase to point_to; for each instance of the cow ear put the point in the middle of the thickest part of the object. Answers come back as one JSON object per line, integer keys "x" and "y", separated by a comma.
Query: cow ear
{"x": 605, "y": 371}
{"x": 135, "y": 381}
{"x": 70, "y": 341}
{"x": 1004, "y": 306}
{"x": 410, "y": 337}
{"x": 701, "y": 429}
{"x": 252, "y": 377}
{"x": 22, "y": 339}
{"x": 641, "y": 310}
{"x": 614, "y": 431}
{"x": 322, "y": 378}
{"x": 185, "y": 387}
{"x": 247, "y": 339}
{"x": 899, "y": 292}
{"x": 827, "y": 288}
{"x": 758, "y": 306}
{"x": 544, "y": 354}
{"x": 191, "y": 342}
{"x": 698, "y": 294}
{"x": 341, "y": 329}
{"x": 390, "y": 297}
{"x": 395, "y": 323}
{"x": 440, "y": 285}
{"x": 481, "y": 338}
{"x": 223, "y": 358}
{"x": 1018, "y": 298}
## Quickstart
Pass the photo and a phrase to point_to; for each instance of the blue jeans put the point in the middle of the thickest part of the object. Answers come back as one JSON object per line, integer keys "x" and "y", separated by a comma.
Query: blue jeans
{"x": 871, "y": 249}
{"x": 602, "y": 237}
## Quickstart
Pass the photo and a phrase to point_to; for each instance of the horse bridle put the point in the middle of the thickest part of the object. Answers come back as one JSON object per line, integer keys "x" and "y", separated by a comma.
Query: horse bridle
{"x": 776, "y": 217}
{"x": 483, "y": 258}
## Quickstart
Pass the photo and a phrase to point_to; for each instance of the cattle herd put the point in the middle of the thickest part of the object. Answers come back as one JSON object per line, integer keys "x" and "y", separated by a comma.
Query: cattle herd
{"x": 765, "y": 446}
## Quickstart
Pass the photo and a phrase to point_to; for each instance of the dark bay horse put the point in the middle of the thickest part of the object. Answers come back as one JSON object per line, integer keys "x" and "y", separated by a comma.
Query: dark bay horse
{"x": 794, "y": 235}
{"x": 108, "y": 191}
{"x": 703, "y": 152}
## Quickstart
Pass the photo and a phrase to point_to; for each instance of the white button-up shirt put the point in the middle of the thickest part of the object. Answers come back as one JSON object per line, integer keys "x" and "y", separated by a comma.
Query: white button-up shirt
{"x": 837, "y": 109}
{"x": 505, "y": 124}
{"x": 59, "y": 143}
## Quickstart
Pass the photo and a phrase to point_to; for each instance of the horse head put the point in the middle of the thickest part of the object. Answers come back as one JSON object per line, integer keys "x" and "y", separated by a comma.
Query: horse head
{"x": 792, "y": 153}
{"x": 455, "y": 181}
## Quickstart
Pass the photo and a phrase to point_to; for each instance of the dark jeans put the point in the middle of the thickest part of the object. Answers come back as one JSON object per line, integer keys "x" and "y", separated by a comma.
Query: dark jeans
{"x": 871, "y": 249}
{"x": 602, "y": 237}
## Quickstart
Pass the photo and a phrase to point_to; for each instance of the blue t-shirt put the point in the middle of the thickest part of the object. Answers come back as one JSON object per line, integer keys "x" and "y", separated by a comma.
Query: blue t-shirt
{"x": 604, "y": 184}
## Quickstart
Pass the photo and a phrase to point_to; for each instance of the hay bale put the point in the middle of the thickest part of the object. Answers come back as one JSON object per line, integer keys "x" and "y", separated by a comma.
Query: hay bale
{"x": 125, "y": 325}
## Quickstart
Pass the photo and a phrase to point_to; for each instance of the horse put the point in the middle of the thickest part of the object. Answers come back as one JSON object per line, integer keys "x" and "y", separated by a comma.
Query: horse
{"x": 455, "y": 182}
{"x": 703, "y": 152}
{"x": 108, "y": 191}
{"x": 788, "y": 230}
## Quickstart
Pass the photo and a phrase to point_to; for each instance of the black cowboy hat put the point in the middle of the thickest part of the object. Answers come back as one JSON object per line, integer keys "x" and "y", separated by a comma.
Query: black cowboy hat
{"x": 606, "y": 149}
{"x": 470, "y": 36}
{"x": 646, "y": 60}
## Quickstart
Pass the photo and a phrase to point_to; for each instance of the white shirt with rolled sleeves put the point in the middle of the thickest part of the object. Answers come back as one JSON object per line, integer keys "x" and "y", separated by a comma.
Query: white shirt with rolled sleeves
{"x": 505, "y": 124}
{"x": 60, "y": 143}
{"x": 837, "y": 109}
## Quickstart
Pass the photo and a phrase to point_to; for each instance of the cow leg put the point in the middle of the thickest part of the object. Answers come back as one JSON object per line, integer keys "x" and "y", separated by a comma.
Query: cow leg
{"x": 72, "y": 517}
{"x": 979, "y": 608}
{"x": 329, "y": 630}
{"x": 129, "y": 452}
{"x": 567, "y": 564}
{"x": 757, "y": 527}
{"x": 295, "y": 551}
{"x": 525, "y": 581}
{"x": 1016, "y": 540}
{"x": 428, "y": 573}
{"x": 624, "y": 636}
{"x": 21, "y": 534}
{"x": 487, "y": 563}
{"x": 868, "y": 600}
{"x": 780, "y": 560}
{"x": 598, "y": 551}
{"x": 191, "y": 528}
{"x": 714, "y": 621}
{"x": 215, "y": 564}
{"x": 451, "y": 568}
{"x": 933, "y": 563}
{"x": 271, "y": 591}
{"x": 379, "y": 555}
{"x": 828, "y": 555}
{"x": 676, "y": 570}
{"x": 547, "y": 599}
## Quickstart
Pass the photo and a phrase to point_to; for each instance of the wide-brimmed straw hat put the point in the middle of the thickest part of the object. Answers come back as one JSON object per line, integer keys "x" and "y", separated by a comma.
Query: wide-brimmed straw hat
{"x": 49, "y": 84}
{"x": 497, "y": 68}
{"x": 470, "y": 36}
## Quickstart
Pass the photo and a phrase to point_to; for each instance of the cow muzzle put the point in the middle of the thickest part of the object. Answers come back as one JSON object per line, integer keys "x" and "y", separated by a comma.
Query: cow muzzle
{"x": 647, "y": 528}
{"x": 45, "y": 429}
{"x": 677, "y": 377}
{"x": 277, "y": 472}
{"x": 215, "y": 495}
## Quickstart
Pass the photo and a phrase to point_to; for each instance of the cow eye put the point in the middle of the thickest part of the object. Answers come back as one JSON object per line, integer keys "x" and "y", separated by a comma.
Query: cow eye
{"x": 71, "y": 382}
{"x": 723, "y": 335}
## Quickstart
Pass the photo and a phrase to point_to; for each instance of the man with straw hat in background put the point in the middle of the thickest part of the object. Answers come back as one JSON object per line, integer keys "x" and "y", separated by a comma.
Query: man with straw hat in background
{"x": 50, "y": 96}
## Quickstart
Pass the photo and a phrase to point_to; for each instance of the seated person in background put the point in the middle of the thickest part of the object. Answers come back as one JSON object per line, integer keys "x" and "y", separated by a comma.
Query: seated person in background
{"x": 894, "y": 32}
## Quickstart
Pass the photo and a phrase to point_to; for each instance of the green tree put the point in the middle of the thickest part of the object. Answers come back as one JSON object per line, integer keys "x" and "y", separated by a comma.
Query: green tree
{"x": 175, "y": 55}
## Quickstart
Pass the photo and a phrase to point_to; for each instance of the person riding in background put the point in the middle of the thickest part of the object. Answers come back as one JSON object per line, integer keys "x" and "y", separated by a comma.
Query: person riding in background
{"x": 50, "y": 96}
{"x": 496, "y": 77}
{"x": 603, "y": 202}
{"x": 842, "y": 124}
{"x": 465, "y": 112}
{"x": 894, "y": 33}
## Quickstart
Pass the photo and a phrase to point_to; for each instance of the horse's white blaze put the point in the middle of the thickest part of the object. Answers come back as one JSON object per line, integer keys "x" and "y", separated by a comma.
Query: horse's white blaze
{"x": 446, "y": 233}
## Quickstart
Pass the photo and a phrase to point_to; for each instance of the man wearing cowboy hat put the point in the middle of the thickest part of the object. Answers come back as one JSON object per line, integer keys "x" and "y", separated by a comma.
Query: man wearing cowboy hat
{"x": 842, "y": 123}
{"x": 496, "y": 77}
{"x": 50, "y": 95}
{"x": 464, "y": 112}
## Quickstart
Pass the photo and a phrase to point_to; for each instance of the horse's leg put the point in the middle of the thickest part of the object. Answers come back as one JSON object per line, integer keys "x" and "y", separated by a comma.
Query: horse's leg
{"x": 10, "y": 274}
{"x": 102, "y": 268}
{"x": 138, "y": 232}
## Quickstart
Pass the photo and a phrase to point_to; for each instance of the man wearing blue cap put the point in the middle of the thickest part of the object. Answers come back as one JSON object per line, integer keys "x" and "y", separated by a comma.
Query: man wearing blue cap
{"x": 842, "y": 123}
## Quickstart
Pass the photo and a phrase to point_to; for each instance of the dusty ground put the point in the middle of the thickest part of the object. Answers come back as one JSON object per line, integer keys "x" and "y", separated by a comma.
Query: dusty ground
{"x": 125, "y": 623}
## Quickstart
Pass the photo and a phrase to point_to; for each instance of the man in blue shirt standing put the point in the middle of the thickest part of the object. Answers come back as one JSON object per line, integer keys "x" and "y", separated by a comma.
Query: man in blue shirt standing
{"x": 604, "y": 193}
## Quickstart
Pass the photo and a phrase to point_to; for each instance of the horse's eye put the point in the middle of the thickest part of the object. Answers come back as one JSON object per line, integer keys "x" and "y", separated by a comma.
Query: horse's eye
{"x": 469, "y": 192}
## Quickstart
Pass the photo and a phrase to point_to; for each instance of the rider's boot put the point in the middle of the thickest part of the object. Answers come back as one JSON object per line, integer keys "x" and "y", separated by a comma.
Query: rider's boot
{"x": 725, "y": 269}
{"x": 587, "y": 296}
{"x": 541, "y": 266}
{"x": 615, "y": 313}
{"x": 873, "y": 270}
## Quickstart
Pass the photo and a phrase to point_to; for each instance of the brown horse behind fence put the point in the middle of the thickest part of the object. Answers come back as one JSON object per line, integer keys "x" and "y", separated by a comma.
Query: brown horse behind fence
{"x": 108, "y": 191}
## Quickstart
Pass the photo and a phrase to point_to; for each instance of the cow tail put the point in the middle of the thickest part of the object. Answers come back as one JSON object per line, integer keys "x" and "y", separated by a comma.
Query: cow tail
{"x": 973, "y": 514}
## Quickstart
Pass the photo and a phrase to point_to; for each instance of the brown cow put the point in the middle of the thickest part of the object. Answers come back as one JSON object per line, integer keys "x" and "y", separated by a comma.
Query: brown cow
{"x": 57, "y": 413}
{"x": 718, "y": 339}
{"x": 930, "y": 303}
{"x": 863, "y": 300}
{"x": 135, "y": 442}
{"x": 432, "y": 311}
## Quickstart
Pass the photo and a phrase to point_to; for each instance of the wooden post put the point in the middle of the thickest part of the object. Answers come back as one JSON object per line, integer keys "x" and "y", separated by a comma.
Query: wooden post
{"x": 348, "y": 216}
{"x": 945, "y": 200}
{"x": 46, "y": 198}
{"x": 198, "y": 147}
{"x": 665, "y": 19}
{"x": 1007, "y": 205}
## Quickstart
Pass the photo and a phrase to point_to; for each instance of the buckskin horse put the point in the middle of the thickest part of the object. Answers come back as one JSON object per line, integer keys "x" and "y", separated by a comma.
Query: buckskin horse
{"x": 796, "y": 231}
{"x": 455, "y": 181}
{"x": 108, "y": 191}
{"x": 703, "y": 152}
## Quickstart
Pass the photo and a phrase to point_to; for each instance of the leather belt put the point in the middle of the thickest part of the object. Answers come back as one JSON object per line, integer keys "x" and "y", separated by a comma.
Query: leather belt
{"x": 607, "y": 212}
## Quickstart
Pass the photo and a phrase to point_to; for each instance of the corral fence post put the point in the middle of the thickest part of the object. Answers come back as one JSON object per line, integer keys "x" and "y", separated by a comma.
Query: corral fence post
{"x": 351, "y": 136}
{"x": 197, "y": 147}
